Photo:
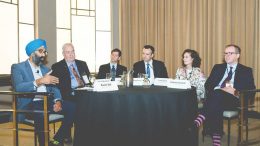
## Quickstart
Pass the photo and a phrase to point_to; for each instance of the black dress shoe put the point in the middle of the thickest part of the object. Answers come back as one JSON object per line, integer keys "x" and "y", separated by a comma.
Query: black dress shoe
{"x": 67, "y": 140}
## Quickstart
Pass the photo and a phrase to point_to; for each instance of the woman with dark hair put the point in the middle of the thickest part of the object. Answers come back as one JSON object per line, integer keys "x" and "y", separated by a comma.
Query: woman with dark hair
{"x": 190, "y": 70}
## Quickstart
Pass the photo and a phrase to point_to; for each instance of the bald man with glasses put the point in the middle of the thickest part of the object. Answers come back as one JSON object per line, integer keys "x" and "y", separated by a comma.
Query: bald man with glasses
{"x": 222, "y": 88}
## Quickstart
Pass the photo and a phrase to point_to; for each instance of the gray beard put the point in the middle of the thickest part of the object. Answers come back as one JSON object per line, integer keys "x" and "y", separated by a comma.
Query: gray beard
{"x": 37, "y": 60}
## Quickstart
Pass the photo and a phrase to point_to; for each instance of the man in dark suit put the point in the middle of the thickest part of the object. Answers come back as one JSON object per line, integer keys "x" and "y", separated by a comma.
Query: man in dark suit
{"x": 32, "y": 76}
{"x": 153, "y": 68}
{"x": 223, "y": 86}
{"x": 72, "y": 73}
{"x": 113, "y": 67}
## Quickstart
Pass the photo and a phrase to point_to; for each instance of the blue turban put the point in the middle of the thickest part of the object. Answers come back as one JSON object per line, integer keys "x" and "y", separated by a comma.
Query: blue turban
{"x": 34, "y": 45}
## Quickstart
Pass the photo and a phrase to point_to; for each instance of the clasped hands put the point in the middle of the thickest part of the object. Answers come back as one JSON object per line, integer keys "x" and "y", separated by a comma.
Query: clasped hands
{"x": 230, "y": 90}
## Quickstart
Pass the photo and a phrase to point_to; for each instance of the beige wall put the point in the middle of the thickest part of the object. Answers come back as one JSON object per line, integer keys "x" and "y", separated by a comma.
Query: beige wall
{"x": 47, "y": 27}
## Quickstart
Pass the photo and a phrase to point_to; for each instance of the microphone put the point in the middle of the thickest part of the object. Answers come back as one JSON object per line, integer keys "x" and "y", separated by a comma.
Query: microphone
{"x": 37, "y": 71}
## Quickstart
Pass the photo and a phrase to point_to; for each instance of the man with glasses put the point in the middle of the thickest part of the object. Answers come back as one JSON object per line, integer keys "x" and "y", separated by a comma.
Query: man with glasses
{"x": 33, "y": 76}
{"x": 222, "y": 88}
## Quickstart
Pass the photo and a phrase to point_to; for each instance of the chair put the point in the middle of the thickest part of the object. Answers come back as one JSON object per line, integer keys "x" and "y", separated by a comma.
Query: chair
{"x": 52, "y": 118}
{"x": 229, "y": 115}
{"x": 246, "y": 111}
{"x": 5, "y": 115}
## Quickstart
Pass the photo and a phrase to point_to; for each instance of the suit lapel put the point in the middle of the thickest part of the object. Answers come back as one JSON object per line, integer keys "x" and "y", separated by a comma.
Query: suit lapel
{"x": 143, "y": 67}
{"x": 107, "y": 68}
{"x": 29, "y": 69}
{"x": 79, "y": 67}
{"x": 154, "y": 69}
{"x": 237, "y": 72}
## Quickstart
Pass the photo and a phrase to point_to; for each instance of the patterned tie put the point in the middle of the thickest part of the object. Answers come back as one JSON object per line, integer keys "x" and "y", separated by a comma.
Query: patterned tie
{"x": 228, "y": 78}
{"x": 148, "y": 70}
{"x": 113, "y": 70}
{"x": 80, "y": 82}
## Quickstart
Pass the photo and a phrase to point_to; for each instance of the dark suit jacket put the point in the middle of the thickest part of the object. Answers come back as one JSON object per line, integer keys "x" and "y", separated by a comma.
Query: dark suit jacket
{"x": 105, "y": 68}
{"x": 159, "y": 69}
{"x": 243, "y": 80}
{"x": 61, "y": 70}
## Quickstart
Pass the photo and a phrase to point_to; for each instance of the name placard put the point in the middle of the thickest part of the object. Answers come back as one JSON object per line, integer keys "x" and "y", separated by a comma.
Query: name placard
{"x": 85, "y": 78}
{"x": 138, "y": 81}
{"x": 105, "y": 85}
{"x": 160, "y": 81}
{"x": 178, "y": 84}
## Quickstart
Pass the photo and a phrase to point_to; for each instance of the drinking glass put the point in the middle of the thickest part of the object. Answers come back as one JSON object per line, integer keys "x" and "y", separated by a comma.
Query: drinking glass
{"x": 108, "y": 76}
{"x": 140, "y": 75}
{"x": 92, "y": 78}
{"x": 146, "y": 82}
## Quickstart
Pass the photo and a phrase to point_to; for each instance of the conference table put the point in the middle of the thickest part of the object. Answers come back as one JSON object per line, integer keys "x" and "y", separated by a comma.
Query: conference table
{"x": 155, "y": 116}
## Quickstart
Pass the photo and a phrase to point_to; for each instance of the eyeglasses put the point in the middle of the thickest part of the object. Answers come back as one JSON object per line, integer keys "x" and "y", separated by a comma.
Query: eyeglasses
{"x": 42, "y": 51}
{"x": 230, "y": 53}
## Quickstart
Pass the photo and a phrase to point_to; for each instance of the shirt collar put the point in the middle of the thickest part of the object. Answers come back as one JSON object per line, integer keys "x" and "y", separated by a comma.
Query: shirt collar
{"x": 234, "y": 66}
{"x": 150, "y": 62}
{"x": 111, "y": 64}
{"x": 71, "y": 63}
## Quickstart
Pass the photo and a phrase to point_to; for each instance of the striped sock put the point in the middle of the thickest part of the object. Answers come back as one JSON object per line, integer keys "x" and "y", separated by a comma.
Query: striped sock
{"x": 216, "y": 139}
{"x": 199, "y": 120}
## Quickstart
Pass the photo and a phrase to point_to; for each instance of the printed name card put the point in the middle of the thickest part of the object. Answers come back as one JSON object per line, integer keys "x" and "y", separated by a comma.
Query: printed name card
{"x": 160, "y": 81}
{"x": 178, "y": 84}
{"x": 85, "y": 78}
{"x": 138, "y": 81}
{"x": 105, "y": 85}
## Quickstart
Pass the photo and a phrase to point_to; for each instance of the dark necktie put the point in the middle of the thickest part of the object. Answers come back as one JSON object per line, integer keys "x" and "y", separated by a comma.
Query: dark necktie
{"x": 80, "y": 82}
{"x": 228, "y": 78}
{"x": 113, "y": 70}
{"x": 148, "y": 70}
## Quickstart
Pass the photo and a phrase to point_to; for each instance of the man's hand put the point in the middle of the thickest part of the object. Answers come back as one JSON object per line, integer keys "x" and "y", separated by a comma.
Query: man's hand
{"x": 47, "y": 79}
{"x": 229, "y": 89}
{"x": 57, "y": 106}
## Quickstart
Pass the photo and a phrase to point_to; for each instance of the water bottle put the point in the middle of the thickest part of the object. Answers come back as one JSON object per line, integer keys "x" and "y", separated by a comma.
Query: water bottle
{"x": 129, "y": 78}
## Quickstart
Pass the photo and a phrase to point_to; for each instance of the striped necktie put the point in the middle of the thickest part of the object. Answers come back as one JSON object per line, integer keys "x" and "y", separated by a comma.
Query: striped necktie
{"x": 228, "y": 78}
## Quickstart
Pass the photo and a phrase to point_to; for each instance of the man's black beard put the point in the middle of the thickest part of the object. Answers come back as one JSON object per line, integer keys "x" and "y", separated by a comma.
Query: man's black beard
{"x": 37, "y": 60}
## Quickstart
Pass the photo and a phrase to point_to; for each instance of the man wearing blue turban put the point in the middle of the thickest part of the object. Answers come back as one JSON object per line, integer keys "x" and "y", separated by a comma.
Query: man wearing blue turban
{"x": 33, "y": 76}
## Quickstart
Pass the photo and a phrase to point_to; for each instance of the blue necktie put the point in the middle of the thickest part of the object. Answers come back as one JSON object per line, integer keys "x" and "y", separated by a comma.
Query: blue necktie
{"x": 228, "y": 78}
{"x": 113, "y": 70}
{"x": 148, "y": 70}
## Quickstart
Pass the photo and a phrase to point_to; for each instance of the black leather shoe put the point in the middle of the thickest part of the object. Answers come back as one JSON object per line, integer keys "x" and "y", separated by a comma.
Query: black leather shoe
{"x": 68, "y": 140}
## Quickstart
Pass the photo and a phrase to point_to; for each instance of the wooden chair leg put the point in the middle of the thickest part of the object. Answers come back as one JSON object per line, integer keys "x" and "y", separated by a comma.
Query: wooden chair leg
{"x": 54, "y": 130}
{"x": 35, "y": 138}
{"x": 228, "y": 136}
